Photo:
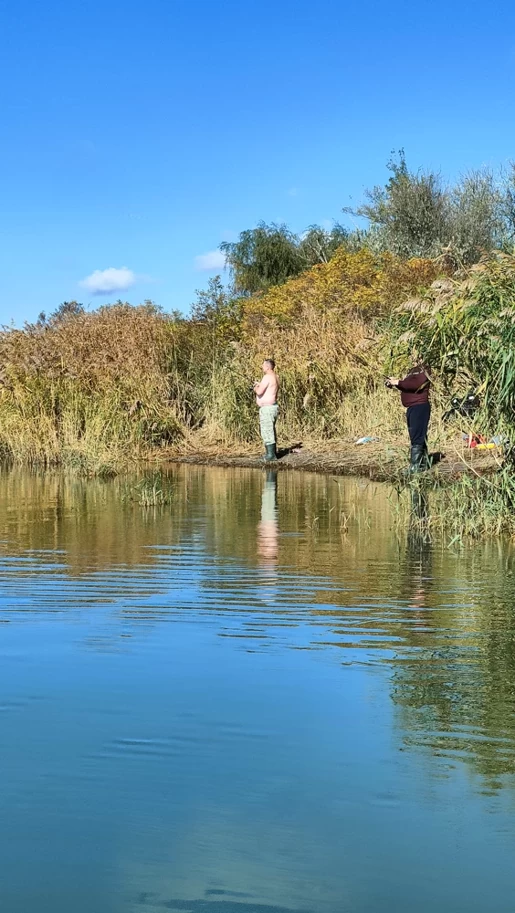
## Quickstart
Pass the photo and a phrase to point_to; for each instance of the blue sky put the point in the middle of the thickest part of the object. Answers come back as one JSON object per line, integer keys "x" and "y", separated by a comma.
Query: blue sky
{"x": 140, "y": 135}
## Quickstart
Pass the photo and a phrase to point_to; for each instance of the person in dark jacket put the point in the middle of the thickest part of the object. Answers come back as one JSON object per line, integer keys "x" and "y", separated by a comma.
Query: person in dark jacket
{"x": 414, "y": 390}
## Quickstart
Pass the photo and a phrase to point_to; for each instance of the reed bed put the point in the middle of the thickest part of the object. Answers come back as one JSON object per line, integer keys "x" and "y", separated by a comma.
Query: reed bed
{"x": 105, "y": 390}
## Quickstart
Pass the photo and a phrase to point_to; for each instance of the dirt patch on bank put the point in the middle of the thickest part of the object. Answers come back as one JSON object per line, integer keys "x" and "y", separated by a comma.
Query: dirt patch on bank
{"x": 377, "y": 461}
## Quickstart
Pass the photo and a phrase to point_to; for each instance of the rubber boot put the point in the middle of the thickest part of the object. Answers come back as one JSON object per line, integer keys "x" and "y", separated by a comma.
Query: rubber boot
{"x": 271, "y": 453}
{"x": 418, "y": 458}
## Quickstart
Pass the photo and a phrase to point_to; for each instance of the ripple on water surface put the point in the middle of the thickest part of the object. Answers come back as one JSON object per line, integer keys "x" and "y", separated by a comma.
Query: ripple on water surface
{"x": 232, "y": 704}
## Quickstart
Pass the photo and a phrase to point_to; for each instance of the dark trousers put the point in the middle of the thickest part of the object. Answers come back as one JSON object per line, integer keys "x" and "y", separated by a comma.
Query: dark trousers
{"x": 418, "y": 422}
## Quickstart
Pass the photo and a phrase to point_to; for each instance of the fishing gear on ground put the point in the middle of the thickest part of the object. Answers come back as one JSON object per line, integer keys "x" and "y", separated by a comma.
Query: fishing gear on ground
{"x": 465, "y": 406}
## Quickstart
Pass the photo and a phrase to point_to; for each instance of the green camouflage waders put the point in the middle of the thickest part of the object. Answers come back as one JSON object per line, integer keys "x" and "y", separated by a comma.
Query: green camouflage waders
{"x": 267, "y": 420}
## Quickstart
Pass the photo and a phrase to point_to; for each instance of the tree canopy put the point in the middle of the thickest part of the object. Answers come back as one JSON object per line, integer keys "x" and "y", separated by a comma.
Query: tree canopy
{"x": 268, "y": 255}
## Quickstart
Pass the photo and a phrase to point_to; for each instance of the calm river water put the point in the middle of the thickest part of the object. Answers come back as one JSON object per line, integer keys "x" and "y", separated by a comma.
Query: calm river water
{"x": 262, "y": 698}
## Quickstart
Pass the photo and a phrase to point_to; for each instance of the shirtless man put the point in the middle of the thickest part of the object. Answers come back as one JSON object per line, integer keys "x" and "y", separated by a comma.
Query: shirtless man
{"x": 266, "y": 397}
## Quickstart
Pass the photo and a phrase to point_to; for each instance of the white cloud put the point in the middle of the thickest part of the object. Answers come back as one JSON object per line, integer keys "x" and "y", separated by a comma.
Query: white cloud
{"x": 210, "y": 262}
{"x": 105, "y": 281}
{"x": 293, "y": 192}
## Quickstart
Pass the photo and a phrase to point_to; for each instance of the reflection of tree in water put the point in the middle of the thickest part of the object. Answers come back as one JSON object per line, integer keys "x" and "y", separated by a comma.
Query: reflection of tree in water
{"x": 452, "y": 654}
{"x": 454, "y": 677}
{"x": 444, "y": 623}
{"x": 89, "y": 522}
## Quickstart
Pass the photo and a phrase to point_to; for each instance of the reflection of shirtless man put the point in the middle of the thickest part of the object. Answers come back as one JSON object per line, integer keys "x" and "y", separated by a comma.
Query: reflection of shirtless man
{"x": 266, "y": 397}
{"x": 268, "y": 527}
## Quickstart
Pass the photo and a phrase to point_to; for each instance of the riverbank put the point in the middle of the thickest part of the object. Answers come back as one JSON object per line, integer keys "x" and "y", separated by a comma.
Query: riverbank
{"x": 377, "y": 461}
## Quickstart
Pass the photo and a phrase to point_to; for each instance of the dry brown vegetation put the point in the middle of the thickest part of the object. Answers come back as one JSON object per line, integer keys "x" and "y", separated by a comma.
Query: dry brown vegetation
{"x": 111, "y": 387}
{"x": 97, "y": 389}
{"x": 86, "y": 389}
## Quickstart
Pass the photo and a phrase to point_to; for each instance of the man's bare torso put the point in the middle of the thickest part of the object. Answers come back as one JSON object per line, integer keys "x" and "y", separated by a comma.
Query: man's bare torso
{"x": 266, "y": 391}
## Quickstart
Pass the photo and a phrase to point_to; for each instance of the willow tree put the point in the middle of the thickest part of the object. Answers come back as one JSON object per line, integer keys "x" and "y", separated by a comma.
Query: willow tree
{"x": 261, "y": 257}
{"x": 268, "y": 255}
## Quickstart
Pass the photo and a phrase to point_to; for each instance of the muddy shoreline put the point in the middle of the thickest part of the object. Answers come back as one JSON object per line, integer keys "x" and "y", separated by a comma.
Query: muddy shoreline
{"x": 380, "y": 463}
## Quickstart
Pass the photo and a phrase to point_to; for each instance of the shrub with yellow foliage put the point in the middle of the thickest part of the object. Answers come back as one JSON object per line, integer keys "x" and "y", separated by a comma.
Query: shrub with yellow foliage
{"x": 352, "y": 282}
{"x": 322, "y": 328}
{"x": 95, "y": 389}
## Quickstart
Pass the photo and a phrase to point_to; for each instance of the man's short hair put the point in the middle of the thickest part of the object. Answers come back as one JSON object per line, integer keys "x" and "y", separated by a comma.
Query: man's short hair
{"x": 271, "y": 362}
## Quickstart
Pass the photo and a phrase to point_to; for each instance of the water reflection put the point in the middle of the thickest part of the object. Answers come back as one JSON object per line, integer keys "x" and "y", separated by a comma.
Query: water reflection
{"x": 267, "y": 685}
{"x": 443, "y": 621}
{"x": 419, "y": 568}
{"x": 419, "y": 509}
{"x": 454, "y": 677}
{"x": 268, "y": 526}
